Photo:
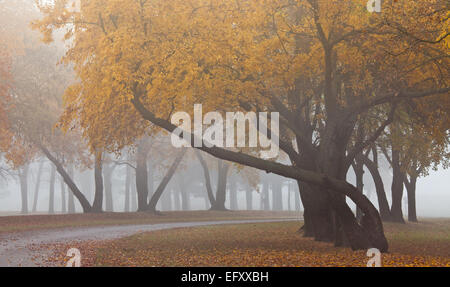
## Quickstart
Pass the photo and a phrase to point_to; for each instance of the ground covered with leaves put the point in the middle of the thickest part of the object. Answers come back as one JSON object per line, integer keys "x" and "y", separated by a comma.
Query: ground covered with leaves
{"x": 35, "y": 222}
{"x": 264, "y": 244}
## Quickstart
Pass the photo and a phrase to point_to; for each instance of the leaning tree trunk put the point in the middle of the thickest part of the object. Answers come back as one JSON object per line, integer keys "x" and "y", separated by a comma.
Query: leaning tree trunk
{"x": 51, "y": 197}
{"x": 37, "y": 185}
{"x": 397, "y": 188}
{"x": 162, "y": 186}
{"x": 68, "y": 180}
{"x": 221, "y": 193}
{"x": 411, "y": 192}
{"x": 23, "y": 177}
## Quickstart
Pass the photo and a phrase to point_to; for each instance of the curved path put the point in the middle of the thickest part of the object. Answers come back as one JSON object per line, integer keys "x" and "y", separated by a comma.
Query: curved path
{"x": 15, "y": 247}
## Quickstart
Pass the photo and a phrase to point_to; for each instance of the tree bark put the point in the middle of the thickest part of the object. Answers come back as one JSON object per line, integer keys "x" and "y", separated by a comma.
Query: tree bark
{"x": 397, "y": 188}
{"x": 221, "y": 193}
{"x": 97, "y": 206}
{"x": 162, "y": 186}
{"x": 411, "y": 193}
{"x": 142, "y": 177}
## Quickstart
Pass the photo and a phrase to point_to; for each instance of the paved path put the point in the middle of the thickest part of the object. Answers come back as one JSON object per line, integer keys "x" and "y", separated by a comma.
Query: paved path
{"x": 15, "y": 247}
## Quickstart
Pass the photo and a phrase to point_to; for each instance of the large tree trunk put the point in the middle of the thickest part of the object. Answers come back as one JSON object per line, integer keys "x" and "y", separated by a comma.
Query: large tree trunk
{"x": 324, "y": 177}
{"x": 51, "y": 198}
{"x": 68, "y": 180}
{"x": 411, "y": 192}
{"x": 142, "y": 177}
{"x": 23, "y": 177}
{"x": 397, "y": 188}
{"x": 162, "y": 186}
{"x": 221, "y": 193}
{"x": 383, "y": 204}
{"x": 97, "y": 206}
{"x": 37, "y": 185}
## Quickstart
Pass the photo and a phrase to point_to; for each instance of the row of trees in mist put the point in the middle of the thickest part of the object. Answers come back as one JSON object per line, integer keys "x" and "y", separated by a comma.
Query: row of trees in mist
{"x": 351, "y": 88}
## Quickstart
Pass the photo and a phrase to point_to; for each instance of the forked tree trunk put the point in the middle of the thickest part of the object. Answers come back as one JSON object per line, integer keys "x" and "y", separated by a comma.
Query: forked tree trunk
{"x": 68, "y": 180}
{"x": 162, "y": 186}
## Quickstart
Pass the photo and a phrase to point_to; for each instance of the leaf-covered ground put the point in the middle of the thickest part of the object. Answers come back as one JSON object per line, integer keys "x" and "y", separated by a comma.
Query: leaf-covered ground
{"x": 263, "y": 244}
{"x": 34, "y": 222}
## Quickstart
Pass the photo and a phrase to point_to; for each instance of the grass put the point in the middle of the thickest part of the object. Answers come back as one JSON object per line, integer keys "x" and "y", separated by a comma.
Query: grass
{"x": 266, "y": 244}
{"x": 36, "y": 222}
